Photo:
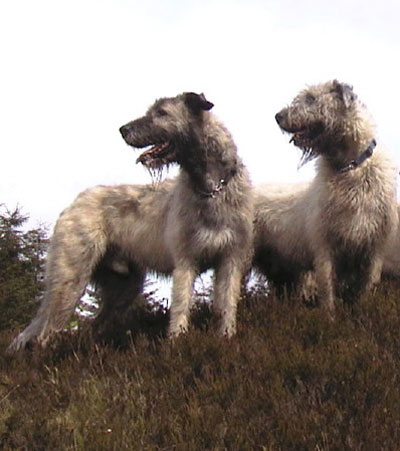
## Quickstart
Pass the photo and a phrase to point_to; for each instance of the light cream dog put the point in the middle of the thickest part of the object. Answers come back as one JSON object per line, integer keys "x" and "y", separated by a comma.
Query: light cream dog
{"x": 113, "y": 236}
{"x": 339, "y": 225}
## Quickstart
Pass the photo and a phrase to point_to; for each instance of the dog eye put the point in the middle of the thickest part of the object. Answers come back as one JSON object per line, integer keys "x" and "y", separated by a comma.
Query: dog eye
{"x": 161, "y": 113}
{"x": 310, "y": 99}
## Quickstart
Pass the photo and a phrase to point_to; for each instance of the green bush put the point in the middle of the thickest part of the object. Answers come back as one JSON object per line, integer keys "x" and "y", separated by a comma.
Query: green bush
{"x": 21, "y": 260}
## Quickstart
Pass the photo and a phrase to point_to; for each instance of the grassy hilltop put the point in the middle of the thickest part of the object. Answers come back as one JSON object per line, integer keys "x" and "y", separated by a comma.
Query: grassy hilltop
{"x": 289, "y": 380}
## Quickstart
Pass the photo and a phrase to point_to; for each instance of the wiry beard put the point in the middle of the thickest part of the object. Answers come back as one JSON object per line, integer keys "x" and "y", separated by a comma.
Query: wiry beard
{"x": 158, "y": 174}
{"x": 308, "y": 154}
{"x": 306, "y": 139}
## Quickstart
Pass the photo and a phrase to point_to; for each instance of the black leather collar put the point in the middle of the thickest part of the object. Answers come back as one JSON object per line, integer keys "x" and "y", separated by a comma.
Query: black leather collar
{"x": 360, "y": 159}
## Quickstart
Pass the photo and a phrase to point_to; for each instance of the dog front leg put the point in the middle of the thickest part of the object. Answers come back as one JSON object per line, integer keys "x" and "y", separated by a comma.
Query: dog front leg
{"x": 182, "y": 287}
{"x": 324, "y": 273}
{"x": 226, "y": 295}
{"x": 374, "y": 273}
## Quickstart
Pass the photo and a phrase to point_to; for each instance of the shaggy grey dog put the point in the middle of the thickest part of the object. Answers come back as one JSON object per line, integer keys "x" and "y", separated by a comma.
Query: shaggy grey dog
{"x": 113, "y": 236}
{"x": 340, "y": 224}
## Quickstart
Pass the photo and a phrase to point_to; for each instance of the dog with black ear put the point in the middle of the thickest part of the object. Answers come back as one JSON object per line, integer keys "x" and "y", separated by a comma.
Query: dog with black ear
{"x": 114, "y": 235}
{"x": 340, "y": 225}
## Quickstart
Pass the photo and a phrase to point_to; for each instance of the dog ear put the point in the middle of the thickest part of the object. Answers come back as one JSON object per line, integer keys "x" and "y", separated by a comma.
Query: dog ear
{"x": 197, "y": 102}
{"x": 345, "y": 92}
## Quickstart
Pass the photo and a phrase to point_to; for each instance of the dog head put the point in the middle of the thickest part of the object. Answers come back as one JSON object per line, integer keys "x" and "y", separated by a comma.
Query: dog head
{"x": 319, "y": 118}
{"x": 167, "y": 130}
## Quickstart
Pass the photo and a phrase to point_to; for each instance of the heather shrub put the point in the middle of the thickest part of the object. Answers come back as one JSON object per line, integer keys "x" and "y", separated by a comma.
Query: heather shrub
{"x": 289, "y": 380}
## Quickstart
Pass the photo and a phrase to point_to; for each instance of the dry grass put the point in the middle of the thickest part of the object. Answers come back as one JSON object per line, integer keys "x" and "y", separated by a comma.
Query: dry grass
{"x": 290, "y": 380}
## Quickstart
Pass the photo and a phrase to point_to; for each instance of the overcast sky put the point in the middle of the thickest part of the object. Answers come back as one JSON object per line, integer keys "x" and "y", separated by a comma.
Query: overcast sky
{"x": 72, "y": 72}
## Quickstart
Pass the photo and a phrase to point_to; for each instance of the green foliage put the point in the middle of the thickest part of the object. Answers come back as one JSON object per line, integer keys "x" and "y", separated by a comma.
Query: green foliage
{"x": 21, "y": 259}
{"x": 290, "y": 380}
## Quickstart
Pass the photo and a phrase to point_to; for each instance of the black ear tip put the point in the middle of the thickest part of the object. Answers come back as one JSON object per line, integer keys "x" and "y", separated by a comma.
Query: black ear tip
{"x": 206, "y": 104}
{"x": 345, "y": 92}
{"x": 342, "y": 86}
{"x": 198, "y": 101}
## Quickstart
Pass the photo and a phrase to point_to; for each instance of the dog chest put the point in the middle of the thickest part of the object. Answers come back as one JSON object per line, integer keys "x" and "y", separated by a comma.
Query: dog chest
{"x": 356, "y": 216}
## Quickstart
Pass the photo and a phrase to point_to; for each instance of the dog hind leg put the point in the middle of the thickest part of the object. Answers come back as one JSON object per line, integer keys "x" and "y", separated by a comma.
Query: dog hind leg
{"x": 118, "y": 292}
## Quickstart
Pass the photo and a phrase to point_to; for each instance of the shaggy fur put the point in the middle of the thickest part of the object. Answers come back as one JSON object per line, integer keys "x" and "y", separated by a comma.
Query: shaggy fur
{"x": 391, "y": 263}
{"x": 340, "y": 224}
{"x": 114, "y": 235}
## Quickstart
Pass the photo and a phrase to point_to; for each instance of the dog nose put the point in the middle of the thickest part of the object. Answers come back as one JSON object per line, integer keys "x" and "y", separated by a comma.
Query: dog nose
{"x": 279, "y": 117}
{"x": 124, "y": 130}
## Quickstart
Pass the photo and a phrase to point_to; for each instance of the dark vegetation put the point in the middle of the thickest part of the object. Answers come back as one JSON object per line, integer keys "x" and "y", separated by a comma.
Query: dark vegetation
{"x": 21, "y": 263}
{"x": 290, "y": 380}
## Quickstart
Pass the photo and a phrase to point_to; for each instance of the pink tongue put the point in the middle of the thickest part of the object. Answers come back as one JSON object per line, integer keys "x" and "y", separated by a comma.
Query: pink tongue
{"x": 158, "y": 147}
{"x": 151, "y": 153}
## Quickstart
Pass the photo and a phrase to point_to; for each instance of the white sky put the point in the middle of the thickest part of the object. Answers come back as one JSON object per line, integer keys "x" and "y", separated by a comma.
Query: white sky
{"x": 72, "y": 72}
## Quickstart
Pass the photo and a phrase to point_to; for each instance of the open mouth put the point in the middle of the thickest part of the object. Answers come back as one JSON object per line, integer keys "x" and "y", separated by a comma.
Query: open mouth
{"x": 298, "y": 136}
{"x": 305, "y": 136}
{"x": 157, "y": 155}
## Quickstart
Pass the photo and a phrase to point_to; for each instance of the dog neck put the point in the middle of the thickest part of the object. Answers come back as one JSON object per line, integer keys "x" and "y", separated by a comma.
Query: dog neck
{"x": 213, "y": 193}
{"x": 209, "y": 169}
{"x": 344, "y": 157}
{"x": 360, "y": 159}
